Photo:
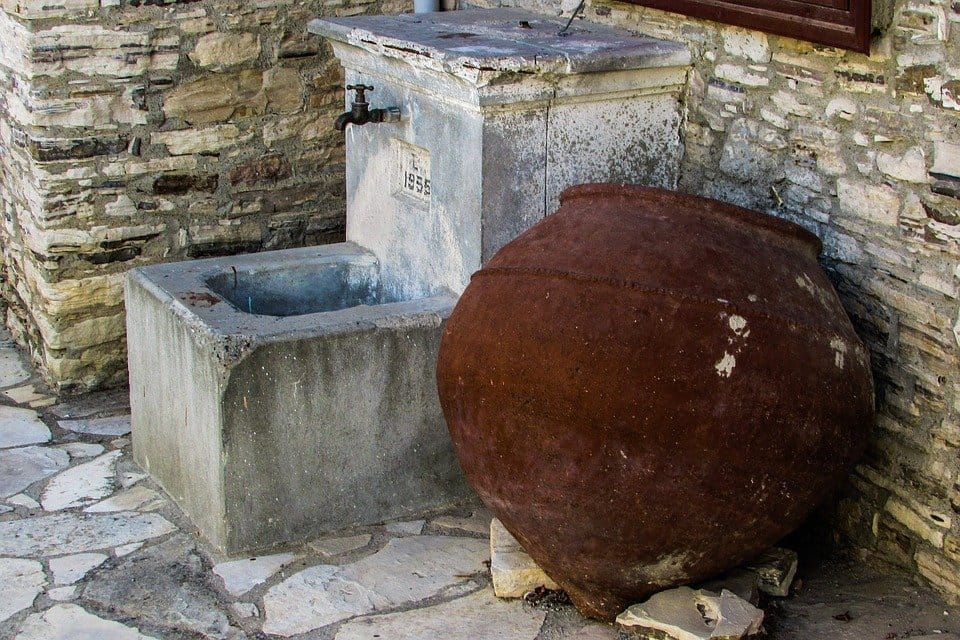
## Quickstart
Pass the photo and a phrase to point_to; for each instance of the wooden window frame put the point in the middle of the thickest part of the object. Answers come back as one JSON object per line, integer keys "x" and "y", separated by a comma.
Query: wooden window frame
{"x": 844, "y": 24}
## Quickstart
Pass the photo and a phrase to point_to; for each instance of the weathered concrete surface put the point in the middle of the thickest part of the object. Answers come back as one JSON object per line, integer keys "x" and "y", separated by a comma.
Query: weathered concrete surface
{"x": 269, "y": 430}
{"x": 491, "y": 109}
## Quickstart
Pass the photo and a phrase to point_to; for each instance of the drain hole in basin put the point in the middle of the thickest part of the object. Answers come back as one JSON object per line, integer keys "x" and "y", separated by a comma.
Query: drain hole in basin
{"x": 294, "y": 290}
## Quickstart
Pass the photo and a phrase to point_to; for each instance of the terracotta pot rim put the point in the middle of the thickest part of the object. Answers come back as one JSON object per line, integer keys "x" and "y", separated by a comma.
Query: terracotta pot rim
{"x": 732, "y": 211}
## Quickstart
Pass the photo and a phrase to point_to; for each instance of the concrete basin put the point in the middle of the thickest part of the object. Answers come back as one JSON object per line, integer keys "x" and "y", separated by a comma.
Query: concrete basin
{"x": 281, "y": 395}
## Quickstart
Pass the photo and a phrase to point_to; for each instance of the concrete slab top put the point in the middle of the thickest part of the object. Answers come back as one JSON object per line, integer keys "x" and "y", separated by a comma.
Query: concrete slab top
{"x": 186, "y": 288}
{"x": 502, "y": 40}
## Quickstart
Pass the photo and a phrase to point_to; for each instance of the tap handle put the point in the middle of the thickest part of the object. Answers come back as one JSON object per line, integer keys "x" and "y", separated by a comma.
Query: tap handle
{"x": 360, "y": 89}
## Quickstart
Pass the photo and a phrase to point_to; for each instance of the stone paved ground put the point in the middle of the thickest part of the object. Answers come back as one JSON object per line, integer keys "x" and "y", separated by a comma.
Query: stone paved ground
{"x": 91, "y": 548}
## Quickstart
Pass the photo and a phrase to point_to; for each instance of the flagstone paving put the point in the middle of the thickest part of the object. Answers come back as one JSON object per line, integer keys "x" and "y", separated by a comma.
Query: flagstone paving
{"x": 90, "y": 547}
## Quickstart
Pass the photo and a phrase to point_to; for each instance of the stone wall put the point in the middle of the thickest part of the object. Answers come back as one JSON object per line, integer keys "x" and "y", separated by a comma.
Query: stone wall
{"x": 138, "y": 131}
{"x": 864, "y": 151}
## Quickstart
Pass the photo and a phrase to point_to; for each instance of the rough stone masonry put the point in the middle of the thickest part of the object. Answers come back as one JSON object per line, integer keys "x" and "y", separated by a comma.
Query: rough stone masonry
{"x": 140, "y": 131}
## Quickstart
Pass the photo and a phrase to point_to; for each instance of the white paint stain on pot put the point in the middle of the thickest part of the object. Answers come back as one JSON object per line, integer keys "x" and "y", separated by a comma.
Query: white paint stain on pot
{"x": 725, "y": 366}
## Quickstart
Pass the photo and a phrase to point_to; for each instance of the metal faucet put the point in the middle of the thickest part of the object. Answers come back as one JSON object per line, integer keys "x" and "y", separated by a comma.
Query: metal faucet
{"x": 360, "y": 112}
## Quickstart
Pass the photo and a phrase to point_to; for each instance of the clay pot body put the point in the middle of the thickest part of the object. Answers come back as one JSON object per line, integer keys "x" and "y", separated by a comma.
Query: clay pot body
{"x": 649, "y": 388}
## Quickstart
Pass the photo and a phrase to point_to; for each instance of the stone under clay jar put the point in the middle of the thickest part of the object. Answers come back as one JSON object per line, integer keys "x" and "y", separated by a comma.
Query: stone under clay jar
{"x": 649, "y": 388}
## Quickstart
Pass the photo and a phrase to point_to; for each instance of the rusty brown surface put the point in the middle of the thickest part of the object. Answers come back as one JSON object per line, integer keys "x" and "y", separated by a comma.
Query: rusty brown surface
{"x": 649, "y": 388}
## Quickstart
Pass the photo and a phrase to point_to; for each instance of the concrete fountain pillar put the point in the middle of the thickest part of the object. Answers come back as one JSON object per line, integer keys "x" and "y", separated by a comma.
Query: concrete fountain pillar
{"x": 498, "y": 115}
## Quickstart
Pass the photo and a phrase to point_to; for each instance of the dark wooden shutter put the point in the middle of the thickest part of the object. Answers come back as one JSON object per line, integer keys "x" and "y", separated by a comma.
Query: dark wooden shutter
{"x": 838, "y": 23}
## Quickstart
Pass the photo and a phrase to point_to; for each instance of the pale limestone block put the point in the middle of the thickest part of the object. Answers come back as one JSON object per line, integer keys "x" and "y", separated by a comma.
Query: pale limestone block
{"x": 23, "y": 500}
{"x": 514, "y": 572}
{"x": 69, "y": 569}
{"x": 183, "y": 164}
{"x": 123, "y": 206}
{"x": 925, "y": 527}
{"x": 216, "y": 98}
{"x": 910, "y": 167}
{"x": 75, "y": 296}
{"x": 788, "y": 101}
{"x": 81, "y": 485}
{"x": 746, "y": 43}
{"x": 946, "y": 159}
{"x": 63, "y": 594}
{"x": 240, "y": 576}
{"x": 129, "y": 500}
{"x": 940, "y": 572}
{"x": 685, "y": 614}
{"x": 874, "y": 203}
{"x": 218, "y": 51}
{"x": 190, "y": 141}
{"x": 22, "y": 581}
{"x": 842, "y": 107}
{"x": 741, "y": 75}
{"x": 85, "y": 333}
{"x": 830, "y": 162}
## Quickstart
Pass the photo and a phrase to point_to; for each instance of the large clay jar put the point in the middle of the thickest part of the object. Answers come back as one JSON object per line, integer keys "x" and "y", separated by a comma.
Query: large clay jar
{"x": 649, "y": 388}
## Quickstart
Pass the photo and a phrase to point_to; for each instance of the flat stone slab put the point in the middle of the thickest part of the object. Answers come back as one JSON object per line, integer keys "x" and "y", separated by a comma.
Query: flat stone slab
{"x": 129, "y": 500}
{"x": 12, "y": 369}
{"x": 685, "y": 614}
{"x": 239, "y": 576}
{"x": 23, "y": 500}
{"x": 405, "y": 571}
{"x": 22, "y": 581}
{"x": 330, "y": 547}
{"x": 65, "y": 533}
{"x": 81, "y": 485}
{"x": 63, "y": 594}
{"x": 479, "y": 616}
{"x": 113, "y": 426}
{"x": 26, "y": 394}
{"x": 68, "y": 621}
{"x": 68, "y": 569}
{"x": 19, "y": 427}
{"x": 82, "y": 449}
{"x": 19, "y": 468}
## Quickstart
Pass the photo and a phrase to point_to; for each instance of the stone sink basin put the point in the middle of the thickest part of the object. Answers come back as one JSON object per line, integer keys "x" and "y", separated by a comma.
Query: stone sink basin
{"x": 282, "y": 395}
